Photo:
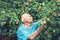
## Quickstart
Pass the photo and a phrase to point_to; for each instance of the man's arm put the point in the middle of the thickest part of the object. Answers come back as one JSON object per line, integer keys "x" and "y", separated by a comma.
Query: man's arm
{"x": 34, "y": 34}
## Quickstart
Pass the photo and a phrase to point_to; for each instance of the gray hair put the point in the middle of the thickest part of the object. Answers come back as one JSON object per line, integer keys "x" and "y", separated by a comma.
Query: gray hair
{"x": 23, "y": 17}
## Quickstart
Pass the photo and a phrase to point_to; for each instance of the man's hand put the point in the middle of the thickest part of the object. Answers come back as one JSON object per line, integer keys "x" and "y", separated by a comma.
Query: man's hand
{"x": 43, "y": 22}
{"x": 42, "y": 27}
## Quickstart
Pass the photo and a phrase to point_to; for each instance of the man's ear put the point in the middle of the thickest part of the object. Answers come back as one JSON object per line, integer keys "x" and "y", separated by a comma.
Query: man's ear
{"x": 22, "y": 20}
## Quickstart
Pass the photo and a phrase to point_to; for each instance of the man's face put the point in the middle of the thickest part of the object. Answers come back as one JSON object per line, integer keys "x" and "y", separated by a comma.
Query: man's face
{"x": 29, "y": 18}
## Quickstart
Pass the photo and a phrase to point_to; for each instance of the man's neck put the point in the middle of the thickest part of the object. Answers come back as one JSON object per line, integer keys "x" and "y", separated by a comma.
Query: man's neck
{"x": 27, "y": 24}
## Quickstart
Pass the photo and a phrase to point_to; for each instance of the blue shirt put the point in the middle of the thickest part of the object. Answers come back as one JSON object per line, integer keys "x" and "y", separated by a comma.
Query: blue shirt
{"x": 23, "y": 32}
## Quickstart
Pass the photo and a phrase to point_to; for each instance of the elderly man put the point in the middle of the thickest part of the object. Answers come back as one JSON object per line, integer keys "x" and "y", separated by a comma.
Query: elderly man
{"x": 28, "y": 31}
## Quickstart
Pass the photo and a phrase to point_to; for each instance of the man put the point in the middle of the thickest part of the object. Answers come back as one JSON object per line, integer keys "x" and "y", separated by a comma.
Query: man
{"x": 28, "y": 31}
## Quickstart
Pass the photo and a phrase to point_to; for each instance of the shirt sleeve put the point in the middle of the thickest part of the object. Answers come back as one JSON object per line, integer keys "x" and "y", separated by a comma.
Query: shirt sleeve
{"x": 38, "y": 23}
{"x": 22, "y": 34}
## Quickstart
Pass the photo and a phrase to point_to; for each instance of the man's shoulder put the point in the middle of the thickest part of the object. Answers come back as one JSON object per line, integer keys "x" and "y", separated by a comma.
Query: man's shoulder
{"x": 33, "y": 23}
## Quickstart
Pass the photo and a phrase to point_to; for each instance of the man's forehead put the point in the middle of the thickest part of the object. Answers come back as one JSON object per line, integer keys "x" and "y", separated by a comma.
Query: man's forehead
{"x": 26, "y": 14}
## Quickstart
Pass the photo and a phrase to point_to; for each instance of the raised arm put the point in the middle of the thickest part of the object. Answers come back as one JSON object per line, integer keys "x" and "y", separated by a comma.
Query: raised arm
{"x": 34, "y": 34}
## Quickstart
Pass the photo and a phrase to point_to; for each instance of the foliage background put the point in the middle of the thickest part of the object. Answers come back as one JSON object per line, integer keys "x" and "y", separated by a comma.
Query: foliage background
{"x": 11, "y": 10}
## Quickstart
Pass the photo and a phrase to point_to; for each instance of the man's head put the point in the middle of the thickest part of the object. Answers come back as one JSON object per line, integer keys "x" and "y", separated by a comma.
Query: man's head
{"x": 26, "y": 18}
